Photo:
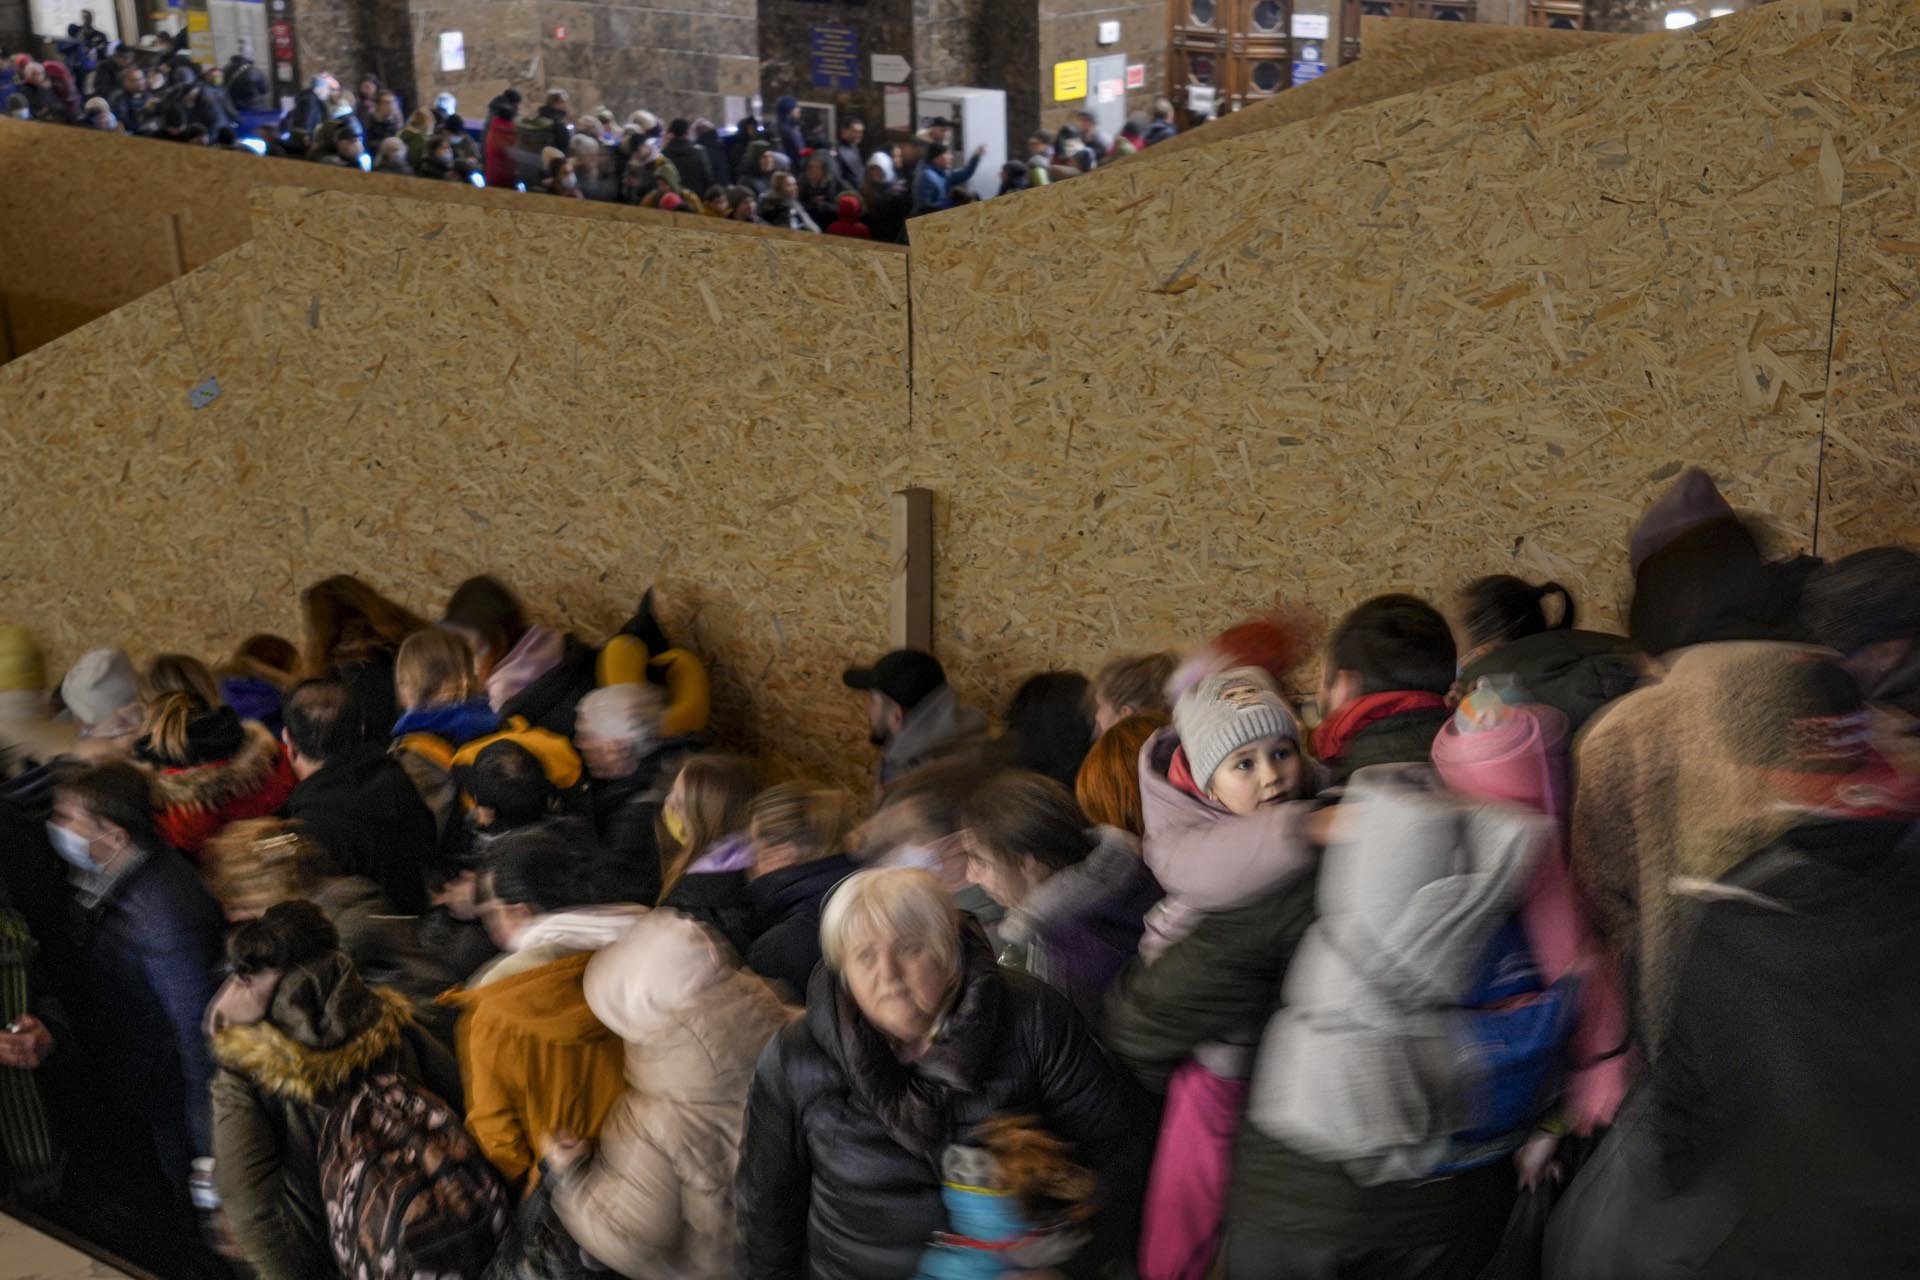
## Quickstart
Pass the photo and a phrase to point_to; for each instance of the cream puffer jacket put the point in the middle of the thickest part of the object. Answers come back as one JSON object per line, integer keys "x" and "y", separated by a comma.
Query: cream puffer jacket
{"x": 657, "y": 1198}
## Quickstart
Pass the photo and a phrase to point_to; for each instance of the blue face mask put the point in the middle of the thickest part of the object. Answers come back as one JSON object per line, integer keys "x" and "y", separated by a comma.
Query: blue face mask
{"x": 72, "y": 847}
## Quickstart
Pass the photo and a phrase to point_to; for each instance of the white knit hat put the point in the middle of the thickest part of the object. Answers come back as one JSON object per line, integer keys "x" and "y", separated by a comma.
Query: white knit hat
{"x": 100, "y": 684}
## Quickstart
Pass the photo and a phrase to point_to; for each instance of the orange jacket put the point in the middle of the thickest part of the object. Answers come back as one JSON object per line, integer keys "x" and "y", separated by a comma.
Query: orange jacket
{"x": 534, "y": 1061}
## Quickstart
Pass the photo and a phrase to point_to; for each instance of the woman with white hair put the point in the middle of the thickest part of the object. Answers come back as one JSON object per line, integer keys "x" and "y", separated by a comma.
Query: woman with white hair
{"x": 913, "y": 1039}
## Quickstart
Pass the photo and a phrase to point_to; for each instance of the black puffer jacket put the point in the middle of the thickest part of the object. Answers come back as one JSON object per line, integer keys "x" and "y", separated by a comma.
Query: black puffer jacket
{"x": 551, "y": 701}
{"x": 786, "y": 919}
{"x": 1574, "y": 672}
{"x": 839, "y": 1173}
{"x": 1774, "y": 1135}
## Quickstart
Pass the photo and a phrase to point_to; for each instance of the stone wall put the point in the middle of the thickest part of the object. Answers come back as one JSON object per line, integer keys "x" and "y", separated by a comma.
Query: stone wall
{"x": 1069, "y": 29}
{"x": 671, "y": 57}
{"x": 16, "y": 25}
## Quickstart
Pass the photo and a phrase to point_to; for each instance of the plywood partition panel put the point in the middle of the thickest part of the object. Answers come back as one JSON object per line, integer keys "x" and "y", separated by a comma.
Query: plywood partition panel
{"x": 416, "y": 393}
{"x": 1466, "y": 331}
{"x": 1870, "y": 469}
{"x": 1401, "y": 55}
{"x": 91, "y": 218}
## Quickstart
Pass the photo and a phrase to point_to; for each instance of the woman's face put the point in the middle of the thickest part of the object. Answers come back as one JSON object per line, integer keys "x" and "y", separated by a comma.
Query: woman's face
{"x": 899, "y": 985}
{"x": 766, "y": 162}
{"x": 1261, "y": 773}
{"x": 1007, "y": 882}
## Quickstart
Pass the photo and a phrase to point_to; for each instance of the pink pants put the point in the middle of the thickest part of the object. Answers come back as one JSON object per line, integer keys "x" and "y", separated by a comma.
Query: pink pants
{"x": 1187, "y": 1189}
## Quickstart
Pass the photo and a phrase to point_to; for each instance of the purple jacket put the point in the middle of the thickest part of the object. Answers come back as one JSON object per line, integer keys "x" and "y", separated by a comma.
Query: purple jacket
{"x": 1081, "y": 926}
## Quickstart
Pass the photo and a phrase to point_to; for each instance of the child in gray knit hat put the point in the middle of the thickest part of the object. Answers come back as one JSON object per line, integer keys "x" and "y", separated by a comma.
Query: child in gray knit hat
{"x": 1221, "y": 798}
{"x": 1242, "y": 740}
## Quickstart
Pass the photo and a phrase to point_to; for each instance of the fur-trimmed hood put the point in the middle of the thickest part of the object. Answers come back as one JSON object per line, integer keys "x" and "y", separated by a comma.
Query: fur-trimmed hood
{"x": 284, "y": 1067}
{"x": 250, "y": 769}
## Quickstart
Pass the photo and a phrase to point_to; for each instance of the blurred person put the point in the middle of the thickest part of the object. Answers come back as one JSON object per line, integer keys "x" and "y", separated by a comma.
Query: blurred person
{"x": 819, "y": 190}
{"x": 1108, "y": 785}
{"x": 919, "y": 824}
{"x": 1220, "y": 830}
{"x": 536, "y": 1064}
{"x": 102, "y": 694}
{"x": 442, "y": 709}
{"x": 256, "y": 677}
{"x": 848, "y": 167}
{"x": 1047, "y": 727}
{"x": 849, "y": 223}
{"x": 310, "y": 108}
{"x": 1162, "y": 127}
{"x": 209, "y": 766}
{"x": 782, "y": 207}
{"x": 1014, "y": 176}
{"x": 499, "y": 168}
{"x": 1075, "y": 896}
{"x": 29, "y": 735}
{"x": 1764, "y": 1141}
{"x": 716, "y": 202}
{"x": 631, "y": 768}
{"x": 1387, "y": 667}
{"x": 130, "y": 100}
{"x": 655, "y": 1196}
{"x": 687, "y": 157}
{"x": 392, "y": 158}
{"x": 757, "y": 167}
{"x": 1503, "y": 634}
{"x": 709, "y": 850}
{"x": 799, "y": 834}
{"x": 886, "y": 198}
{"x": 438, "y": 162}
{"x": 352, "y": 799}
{"x": 255, "y": 865}
{"x": 353, "y": 633}
{"x": 467, "y": 155}
{"x": 560, "y": 179}
{"x": 340, "y": 124}
{"x": 420, "y": 128}
{"x": 149, "y": 943}
{"x": 293, "y": 1030}
{"x": 913, "y": 715}
{"x": 913, "y": 1037}
{"x": 1098, "y": 140}
{"x": 528, "y": 669}
{"x": 1128, "y": 685}
{"x": 786, "y": 128}
{"x": 99, "y": 115}
{"x": 933, "y": 184}
{"x": 1866, "y": 607}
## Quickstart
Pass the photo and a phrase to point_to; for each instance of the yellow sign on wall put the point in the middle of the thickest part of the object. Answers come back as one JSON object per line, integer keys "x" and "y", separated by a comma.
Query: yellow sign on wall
{"x": 1070, "y": 80}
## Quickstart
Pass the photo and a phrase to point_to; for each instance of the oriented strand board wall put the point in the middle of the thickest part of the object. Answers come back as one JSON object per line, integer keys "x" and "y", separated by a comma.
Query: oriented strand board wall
{"x": 1870, "y": 468}
{"x": 1466, "y": 331}
{"x": 417, "y": 392}
{"x": 1401, "y": 55}
{"x": 89, "y": 217}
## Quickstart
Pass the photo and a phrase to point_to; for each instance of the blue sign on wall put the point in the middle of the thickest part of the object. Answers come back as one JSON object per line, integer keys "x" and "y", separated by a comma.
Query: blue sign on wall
{"x": 1305, "y": 71}
{"x": 836, "y": 57}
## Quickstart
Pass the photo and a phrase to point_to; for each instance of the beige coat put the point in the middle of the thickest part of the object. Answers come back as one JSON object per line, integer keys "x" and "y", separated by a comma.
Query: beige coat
{"x": 657, "y": 1199}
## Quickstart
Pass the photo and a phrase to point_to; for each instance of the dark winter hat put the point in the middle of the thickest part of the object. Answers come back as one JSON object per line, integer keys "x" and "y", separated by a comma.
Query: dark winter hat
{"x": 508, "y": 779}
{"x": 907, "y": 676}
{"x": 940, "y": 122}
{"x": 1863, "y": 599}
{"x": 678, "y": 126}
{"x": 936, "y": 150}
{"x": 1692, "y": 501}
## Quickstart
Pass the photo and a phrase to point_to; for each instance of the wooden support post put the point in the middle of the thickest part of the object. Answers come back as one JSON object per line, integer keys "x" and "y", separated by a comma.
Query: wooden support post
{"x": 910, "y": 607}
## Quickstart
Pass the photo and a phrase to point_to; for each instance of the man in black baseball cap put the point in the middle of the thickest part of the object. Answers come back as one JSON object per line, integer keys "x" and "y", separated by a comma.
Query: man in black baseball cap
{"x": 912, "y": 713}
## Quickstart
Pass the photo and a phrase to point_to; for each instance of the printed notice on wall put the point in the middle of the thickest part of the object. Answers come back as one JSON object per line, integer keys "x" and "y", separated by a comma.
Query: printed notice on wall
{"x": 899, "y": 106}
{"x": 836, "y": 57}
{"x": 453, "y": 51}
{"x": 1309, "y": 26}
{"x": 1070, "y": 80}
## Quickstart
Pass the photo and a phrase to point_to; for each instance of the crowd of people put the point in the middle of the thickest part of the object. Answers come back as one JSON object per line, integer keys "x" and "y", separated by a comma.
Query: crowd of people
{"x": 767, "y": 172}
{"x": 1508, "y": 948}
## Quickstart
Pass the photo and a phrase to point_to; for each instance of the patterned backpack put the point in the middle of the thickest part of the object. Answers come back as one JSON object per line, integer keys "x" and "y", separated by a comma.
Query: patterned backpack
{"x": 408, "y": 1191}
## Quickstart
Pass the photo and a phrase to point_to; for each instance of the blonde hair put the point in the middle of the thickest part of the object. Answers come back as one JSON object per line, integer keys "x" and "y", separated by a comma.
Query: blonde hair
{"x": 178, "y": 673}
{"x": 716, "y": 791}
{"x": 259, "y": 862}
{"x": 813, "y": 821}
{"x": 1137, "y": 681}
{"x": 165, "y": 726}
{"x": 434, "y": 668}
{"x": 891, "y": 902}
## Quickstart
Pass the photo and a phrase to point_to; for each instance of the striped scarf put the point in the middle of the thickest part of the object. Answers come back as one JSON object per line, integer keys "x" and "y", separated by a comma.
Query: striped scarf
{"x": 32, "y": 1162}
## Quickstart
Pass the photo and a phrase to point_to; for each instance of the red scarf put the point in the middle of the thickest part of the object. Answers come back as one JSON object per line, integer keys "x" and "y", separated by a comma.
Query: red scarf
{"x": 1333, "y": 735}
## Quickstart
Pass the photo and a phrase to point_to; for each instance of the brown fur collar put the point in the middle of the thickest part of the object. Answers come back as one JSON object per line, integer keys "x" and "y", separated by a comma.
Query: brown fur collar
{"x": 288, "y": 1069}
{"x": 209, "y": 786}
